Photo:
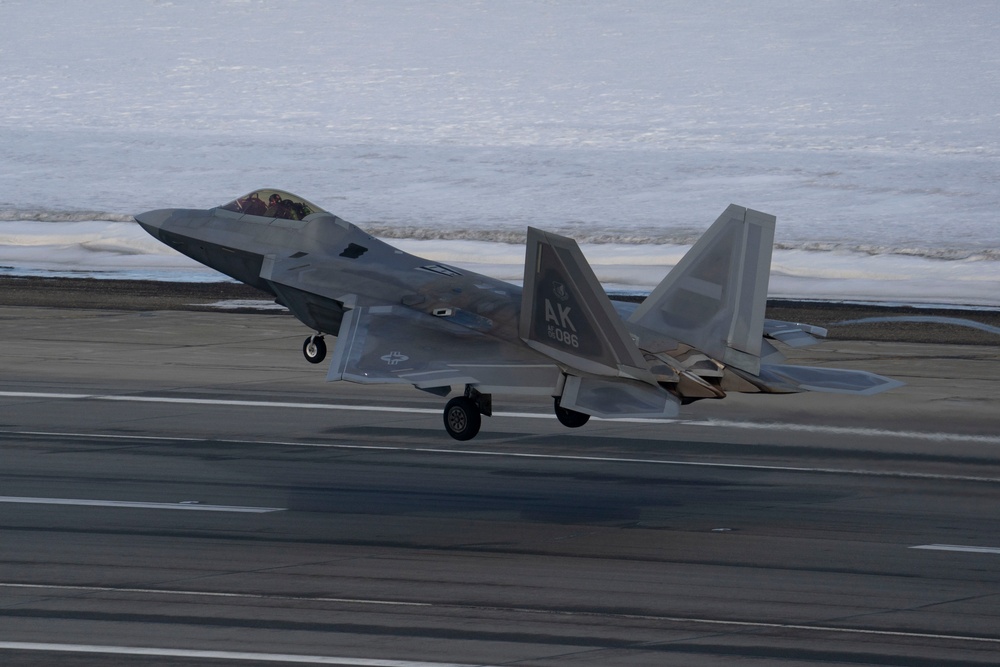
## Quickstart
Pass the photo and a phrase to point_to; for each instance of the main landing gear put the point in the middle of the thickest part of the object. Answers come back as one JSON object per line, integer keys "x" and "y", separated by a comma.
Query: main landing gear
{"x": 570, "y": 418}
{"x": 463, "y": 415}
{"x": 314, "y": 349}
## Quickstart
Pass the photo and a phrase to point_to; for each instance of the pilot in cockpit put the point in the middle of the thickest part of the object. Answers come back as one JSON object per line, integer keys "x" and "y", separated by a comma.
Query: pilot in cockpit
{"x": 278, "y": 207}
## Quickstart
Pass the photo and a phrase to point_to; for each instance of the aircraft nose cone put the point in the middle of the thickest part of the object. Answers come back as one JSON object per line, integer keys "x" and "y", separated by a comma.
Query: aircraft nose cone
{"x": 152, "y": 221}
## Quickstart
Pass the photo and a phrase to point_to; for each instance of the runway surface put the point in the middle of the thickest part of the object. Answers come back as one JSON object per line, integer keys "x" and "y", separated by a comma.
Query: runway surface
{"x": 183, "y": 488}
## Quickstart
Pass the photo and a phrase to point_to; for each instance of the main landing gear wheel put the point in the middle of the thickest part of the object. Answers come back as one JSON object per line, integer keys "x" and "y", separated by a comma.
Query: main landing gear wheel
{"x": 462, "y": 418}
{"x": 570, "y": 418}
{"x": 314, "y": 349}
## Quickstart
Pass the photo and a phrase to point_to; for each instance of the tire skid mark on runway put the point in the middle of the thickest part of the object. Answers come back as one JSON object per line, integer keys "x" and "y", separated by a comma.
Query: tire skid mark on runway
{"x": 691, "y": 620}
{"x": 856, "y": 472}
{"x": 711, "y": 423}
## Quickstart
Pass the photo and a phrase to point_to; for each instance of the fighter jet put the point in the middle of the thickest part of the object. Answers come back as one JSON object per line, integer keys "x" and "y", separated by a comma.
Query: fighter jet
{"x": 402, "y": 319}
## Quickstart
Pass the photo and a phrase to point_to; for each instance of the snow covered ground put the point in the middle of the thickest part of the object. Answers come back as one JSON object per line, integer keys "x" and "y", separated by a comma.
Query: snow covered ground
{"x": 869, "y": 129}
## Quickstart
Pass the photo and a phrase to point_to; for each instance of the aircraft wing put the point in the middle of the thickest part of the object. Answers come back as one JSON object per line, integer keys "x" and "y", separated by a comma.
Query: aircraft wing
{"x": 395, "y": 344}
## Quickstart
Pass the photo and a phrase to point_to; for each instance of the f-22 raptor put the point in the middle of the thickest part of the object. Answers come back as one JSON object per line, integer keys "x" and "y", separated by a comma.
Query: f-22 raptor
{"x": 399, "y": 318}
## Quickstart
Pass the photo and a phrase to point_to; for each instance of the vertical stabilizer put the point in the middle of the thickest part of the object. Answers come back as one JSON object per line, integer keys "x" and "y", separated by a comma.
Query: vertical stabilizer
{"x": 714, "y": 299}
{"x": 566, "y": 315}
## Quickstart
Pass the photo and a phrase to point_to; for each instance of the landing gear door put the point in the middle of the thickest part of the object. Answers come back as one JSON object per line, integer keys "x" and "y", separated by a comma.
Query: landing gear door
{"x": 610, "y": 399}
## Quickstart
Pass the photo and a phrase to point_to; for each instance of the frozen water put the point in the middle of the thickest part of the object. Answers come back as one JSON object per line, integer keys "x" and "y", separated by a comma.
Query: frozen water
{"x": 870, "y": 129}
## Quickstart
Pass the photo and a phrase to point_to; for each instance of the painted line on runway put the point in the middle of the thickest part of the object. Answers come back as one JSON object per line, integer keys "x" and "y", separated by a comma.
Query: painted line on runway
{"x": 716, "y": 423}
{"x": 268, "y": 404}
{"x": 221, "y": 401}
{"x": 695, "y": 620}
{"x": 214, "y": 594}
{"x": 959, "y": 547}
{"x": 854, "y": 431}
{"x": 857, "y": 472}
{"x": 184, "y": 505}
{"x": 224, "y": 655}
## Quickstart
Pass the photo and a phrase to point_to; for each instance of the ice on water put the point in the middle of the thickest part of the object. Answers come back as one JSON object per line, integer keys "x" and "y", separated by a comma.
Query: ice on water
{"x": 869, "y": 129}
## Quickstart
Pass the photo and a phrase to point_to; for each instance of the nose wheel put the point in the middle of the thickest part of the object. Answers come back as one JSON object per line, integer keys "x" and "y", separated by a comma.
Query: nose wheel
{"x": 314, "y": 349}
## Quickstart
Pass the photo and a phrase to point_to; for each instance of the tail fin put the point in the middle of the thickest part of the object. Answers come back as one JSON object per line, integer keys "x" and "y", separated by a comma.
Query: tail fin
{"x": 714, "y": 299}
{"x": 566, "y": 315}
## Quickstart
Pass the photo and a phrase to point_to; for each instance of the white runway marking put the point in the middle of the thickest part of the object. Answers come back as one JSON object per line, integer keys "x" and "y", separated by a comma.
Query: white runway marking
{"x": 959, "y": 547}
{"x": 766, "y": 426}
{"x": 189, "y": 506}
{"x": 525, "y": 455}
{"x": 854, "y": 431}
{"x": 224, "y": 655}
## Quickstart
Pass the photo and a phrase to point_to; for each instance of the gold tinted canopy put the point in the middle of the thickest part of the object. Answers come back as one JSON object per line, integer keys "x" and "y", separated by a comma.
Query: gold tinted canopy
{"x": 273, "y": 204}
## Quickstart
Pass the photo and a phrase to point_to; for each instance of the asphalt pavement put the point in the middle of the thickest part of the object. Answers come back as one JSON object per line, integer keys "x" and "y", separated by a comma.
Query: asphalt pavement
{"x": 184, "y": 488}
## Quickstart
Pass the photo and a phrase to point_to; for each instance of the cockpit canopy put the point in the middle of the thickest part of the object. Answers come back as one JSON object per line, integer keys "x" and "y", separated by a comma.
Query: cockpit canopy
{"x": 273, "y": 204}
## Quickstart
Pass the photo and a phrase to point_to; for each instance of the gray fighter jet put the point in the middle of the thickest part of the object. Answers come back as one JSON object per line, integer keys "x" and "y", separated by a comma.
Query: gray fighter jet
{"x": 403, "y": 319}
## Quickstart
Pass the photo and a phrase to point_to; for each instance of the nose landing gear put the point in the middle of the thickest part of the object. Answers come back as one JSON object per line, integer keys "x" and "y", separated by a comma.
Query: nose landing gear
{"x": 314, "y": 349}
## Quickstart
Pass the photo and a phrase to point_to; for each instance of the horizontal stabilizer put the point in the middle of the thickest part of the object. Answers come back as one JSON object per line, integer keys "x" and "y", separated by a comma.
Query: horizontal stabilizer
{"x": 609, "y": 398}
{"x": 793, "y": 334}
{"x": 566, "y": 315}
{"x": 782, "y": 378}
